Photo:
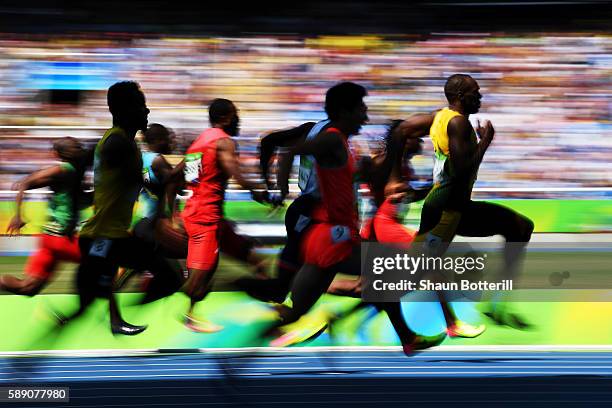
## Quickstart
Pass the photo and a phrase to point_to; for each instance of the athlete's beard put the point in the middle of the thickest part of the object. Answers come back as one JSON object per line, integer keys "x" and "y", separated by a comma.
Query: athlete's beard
{"x": 233, "y": 128}
{"x": 471, "y": 104}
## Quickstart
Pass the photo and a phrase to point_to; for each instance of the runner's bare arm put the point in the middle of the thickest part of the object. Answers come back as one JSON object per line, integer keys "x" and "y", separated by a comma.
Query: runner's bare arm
{"x": 38, "y": 179}
{"x": 162, "y": 169}
{"x": 228, "y": 161}
{"x": 462, "y": 157}
{"x": 175, "y": 182}
{"x": 415, "y": 126}
{"x": 282, "y": 138}
{"x": 323, "y": 146}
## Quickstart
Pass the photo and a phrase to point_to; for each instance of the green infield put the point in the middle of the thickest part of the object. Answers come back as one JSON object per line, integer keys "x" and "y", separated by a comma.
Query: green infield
{"x": 549, "y": 215}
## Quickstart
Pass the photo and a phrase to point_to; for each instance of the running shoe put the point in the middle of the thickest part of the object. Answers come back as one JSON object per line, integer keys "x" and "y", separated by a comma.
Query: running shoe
{"x": 466, "y": 330}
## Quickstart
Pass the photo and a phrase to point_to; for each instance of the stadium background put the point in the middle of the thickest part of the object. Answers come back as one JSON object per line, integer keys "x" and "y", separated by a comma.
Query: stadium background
{"x": 545, "y": 81}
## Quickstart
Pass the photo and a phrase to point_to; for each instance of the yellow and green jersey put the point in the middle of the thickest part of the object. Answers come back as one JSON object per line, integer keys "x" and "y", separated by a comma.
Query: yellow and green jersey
{"x": 449, "y": 188}
{"x": 62, "y": 211}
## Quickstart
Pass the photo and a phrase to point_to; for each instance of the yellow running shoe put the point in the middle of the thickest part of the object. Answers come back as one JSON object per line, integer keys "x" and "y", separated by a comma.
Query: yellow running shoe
{"x": 466, "y": 330}
{"x": 308, "y": 327}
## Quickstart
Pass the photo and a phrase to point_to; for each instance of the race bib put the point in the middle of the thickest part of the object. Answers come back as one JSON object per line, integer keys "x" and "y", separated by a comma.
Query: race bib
{"x": 145, "y": 176}
{"x": 193, "y": 167}
{"x": 302, "y": 223}
{"x": 340, "y": 233}
{"x": 305, "y": 171}
{"x": 100, "y": 247}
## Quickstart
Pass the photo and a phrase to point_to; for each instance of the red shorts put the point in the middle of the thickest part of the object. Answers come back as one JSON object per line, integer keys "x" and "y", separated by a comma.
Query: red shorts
{"x": 205, "y": 241}
{"x": 385, "y": 227}
{"x": 325, "y": 244}
{"x": 51, "y": 250}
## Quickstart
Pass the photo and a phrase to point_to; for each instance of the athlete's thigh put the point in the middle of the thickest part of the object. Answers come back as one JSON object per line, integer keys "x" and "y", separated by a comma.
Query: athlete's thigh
{"x": 352, "y": 264}
{"x": 97, "y": 267}
{"x": 485, "y": 219}
{"x": 203, "y": 246}
{"x": 132, "y": 252}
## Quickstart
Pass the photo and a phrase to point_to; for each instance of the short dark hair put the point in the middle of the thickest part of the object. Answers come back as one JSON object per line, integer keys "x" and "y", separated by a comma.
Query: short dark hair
{"x": 155, "y": 132}
{"x": 218, "y": 109}
{"x": 120, "y": 96}
{"x": 454, "y": 85}
{"x": 345, "y": 95}
{"x": 70, "y": 150}
{"x": 389, "y": 143}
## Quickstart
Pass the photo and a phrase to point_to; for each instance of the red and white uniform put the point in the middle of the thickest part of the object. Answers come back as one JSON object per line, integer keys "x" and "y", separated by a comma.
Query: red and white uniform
{"x": 203, "y": 213}
{"x": 333, "y": 238}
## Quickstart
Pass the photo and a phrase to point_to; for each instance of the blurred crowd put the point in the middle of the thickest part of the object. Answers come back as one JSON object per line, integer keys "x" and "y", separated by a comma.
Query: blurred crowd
{"x": 549, "y": 96}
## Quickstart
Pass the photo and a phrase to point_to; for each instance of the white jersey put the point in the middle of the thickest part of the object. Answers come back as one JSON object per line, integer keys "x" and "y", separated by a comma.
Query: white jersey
{"x": 307, "y": 175}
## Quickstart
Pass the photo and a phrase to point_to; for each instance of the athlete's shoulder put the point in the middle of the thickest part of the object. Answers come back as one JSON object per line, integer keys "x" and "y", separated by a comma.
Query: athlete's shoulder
{"x": 115, "y": 131}
{"x": 66, "y": 167}
{"x": 225, "y": 141}
{"x": 459, "y": 125}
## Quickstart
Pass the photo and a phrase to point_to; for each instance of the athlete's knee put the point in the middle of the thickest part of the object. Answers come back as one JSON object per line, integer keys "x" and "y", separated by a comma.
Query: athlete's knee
{"x": 521, "y": 231}
{"x": 528, "y": 227}
{"x": 198, "y": 284}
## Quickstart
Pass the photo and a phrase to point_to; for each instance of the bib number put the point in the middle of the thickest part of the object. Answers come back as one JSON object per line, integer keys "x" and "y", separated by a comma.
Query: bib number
{"x": 145, "y": 176}
{"x": 100, "y": 247}
{"x": 193, "y": 167}
{"x": 340, "y": 233}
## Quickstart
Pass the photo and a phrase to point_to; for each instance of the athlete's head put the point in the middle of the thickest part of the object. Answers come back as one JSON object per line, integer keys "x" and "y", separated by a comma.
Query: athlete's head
{"x": 412, "y": 146}
{"x": 127, "y": 104}
{"x": 223, "y": 114}
{"x": 158, "y": 138}
{"x": 344, "y": 104}
{"x": 462, "y": 91}
{"x": 69, "y": 149}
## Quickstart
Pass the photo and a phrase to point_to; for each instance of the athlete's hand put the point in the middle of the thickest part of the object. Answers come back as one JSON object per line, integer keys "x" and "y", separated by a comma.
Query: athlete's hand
{"x": 261, "y": 196}
{"x": 276, "y": 200}
{"x": 486, "y": 132}
{"x": 15, "y": 225}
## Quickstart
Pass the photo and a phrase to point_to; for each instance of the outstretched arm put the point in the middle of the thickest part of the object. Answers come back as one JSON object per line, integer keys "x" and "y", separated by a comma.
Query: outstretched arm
{"x": 228, "y": 161}
{"x": 38, "y": 179}
{"x": 281, "y": 138}
{"x": 175, "y": 181}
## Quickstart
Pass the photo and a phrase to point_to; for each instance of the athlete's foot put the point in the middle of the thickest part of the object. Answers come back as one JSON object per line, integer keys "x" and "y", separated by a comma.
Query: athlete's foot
{"x": 201, "y": 326}
{"x": 126, "y": 329}
{"x": 308, "y": 328}
{"x": 466, "y": 330}
{"x": 422, "y": 342}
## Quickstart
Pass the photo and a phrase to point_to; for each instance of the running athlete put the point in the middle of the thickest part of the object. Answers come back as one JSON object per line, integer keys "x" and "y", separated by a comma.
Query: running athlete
{"x": 155, "y": 173}
{"x": 388, "y": 176}
{"x": 334, "y": 238}
{"x": 298, "y": 215}
{"x": 150, "y": 206}
{"x": 448, "y": 209}
{"x": 105, "y": 240}
{"x": 210, "y": 162}
{"x": 58, "y": 242}
{"x": 387, "y": 181}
